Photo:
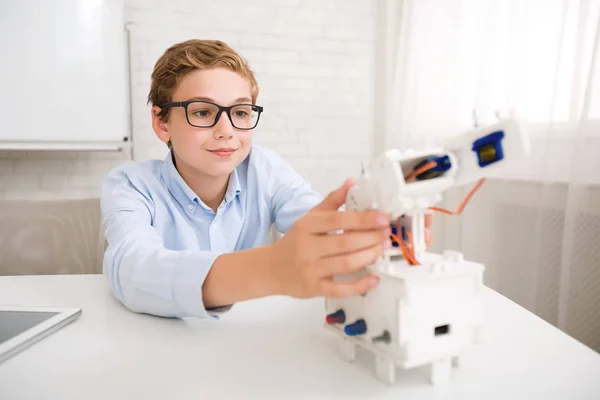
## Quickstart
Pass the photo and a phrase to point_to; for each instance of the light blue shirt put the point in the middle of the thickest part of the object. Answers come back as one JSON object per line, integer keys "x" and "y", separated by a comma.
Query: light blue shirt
{"x": 162, "y": 239}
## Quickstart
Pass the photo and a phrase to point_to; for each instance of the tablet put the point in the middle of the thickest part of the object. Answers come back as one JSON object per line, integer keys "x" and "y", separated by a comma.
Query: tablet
{"x": 22, "y": 326}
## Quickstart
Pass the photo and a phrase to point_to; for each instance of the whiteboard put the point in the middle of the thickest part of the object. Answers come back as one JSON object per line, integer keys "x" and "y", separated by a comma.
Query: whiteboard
{"x": 63, "y": 74}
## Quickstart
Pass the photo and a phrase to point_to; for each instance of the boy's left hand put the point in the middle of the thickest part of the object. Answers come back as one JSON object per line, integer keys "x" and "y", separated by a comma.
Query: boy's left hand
{"x": 428, "y": 222}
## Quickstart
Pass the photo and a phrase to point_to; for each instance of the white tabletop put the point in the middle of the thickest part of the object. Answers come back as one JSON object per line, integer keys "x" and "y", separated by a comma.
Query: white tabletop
{"x": 274, "y": 348}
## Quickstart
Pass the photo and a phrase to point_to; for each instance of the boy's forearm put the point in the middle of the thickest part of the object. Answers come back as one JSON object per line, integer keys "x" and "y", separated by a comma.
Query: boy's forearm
{"x": 239, "y": 276}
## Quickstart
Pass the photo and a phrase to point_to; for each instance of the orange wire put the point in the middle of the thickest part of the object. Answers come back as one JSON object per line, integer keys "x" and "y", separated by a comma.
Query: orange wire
{"x": 397, "y": 240}
{"x": 407, "y": 255}
{"x": 464, "y": 202}
{"x": 424, "y": 168}
{"x": 411, "y": 254}
{"x": 405, "y": 252}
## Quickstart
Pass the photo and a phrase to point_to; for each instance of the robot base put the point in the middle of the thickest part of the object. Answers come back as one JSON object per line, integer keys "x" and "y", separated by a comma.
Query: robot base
{"x": 385, "y": 368}
{"x": 418, "y": 316}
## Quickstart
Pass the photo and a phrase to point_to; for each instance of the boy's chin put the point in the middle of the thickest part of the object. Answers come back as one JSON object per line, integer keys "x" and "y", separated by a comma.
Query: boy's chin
{"x": 218, "y": 171}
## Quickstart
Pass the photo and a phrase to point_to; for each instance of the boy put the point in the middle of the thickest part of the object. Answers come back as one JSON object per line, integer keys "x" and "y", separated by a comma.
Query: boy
{"x": 188, "y": 236}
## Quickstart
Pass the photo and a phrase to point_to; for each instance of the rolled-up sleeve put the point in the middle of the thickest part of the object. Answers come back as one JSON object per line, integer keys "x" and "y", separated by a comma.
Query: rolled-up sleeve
{"x": 144, "y": 275}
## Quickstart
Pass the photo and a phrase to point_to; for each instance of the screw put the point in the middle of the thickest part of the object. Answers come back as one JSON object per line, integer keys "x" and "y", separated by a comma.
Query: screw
{"x": 385, "y": 337}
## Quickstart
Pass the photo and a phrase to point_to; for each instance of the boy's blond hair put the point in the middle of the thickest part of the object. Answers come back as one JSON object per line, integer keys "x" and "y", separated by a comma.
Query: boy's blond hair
{"x": 184, "y": 57}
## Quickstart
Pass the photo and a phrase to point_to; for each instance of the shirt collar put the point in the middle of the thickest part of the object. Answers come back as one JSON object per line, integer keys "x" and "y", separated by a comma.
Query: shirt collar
{"x": 234, "y": 187}
{"x": 184, "y": 194}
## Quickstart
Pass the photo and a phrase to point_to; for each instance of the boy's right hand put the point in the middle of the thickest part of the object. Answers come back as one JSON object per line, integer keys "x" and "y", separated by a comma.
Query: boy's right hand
{"x": 308, "y": 256}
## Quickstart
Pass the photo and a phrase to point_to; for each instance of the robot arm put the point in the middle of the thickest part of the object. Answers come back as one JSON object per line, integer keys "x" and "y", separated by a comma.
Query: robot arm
{"x": 484, "y": 151}
{"x": 409, "y": 184}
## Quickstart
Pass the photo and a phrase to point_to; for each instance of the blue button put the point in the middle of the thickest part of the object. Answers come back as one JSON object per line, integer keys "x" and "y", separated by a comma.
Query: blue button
{"x": 356, "y": 328}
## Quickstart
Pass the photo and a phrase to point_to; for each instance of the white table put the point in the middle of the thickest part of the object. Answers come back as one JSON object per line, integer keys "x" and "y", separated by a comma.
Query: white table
{"x": 273, "y": 348}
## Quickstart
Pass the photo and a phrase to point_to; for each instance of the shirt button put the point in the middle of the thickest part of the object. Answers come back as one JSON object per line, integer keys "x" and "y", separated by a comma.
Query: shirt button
{"x": 215, "y": 226}
{"x": 190, "y": 206}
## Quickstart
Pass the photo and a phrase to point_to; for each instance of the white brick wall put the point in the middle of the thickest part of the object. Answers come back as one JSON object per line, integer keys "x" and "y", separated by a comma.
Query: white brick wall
{"x": 314, "y": 60}
{"x": 42, "y": 175}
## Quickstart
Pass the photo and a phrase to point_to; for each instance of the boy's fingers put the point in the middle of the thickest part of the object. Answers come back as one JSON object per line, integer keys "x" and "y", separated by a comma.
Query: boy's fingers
{"x": 335, "y": 199}
{"x": 332, "y": 221}
{"x": 428, "y": 237}
{"x": 428, "y": 220}
{"x": 329, "y": 288}
{"x": 349, "y": 262}
{"x": 350, "y": 242}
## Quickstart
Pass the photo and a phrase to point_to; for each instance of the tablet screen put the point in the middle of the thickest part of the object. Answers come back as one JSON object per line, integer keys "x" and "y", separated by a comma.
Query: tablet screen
{"x": 13, "y": 323}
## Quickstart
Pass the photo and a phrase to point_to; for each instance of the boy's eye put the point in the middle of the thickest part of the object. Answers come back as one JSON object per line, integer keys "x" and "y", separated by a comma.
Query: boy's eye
{"x": 201, "y": 113}
{"x": 242, "y": 112}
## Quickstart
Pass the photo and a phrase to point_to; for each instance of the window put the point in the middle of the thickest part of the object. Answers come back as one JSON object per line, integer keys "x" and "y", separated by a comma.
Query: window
{"x": 447, "y": 59}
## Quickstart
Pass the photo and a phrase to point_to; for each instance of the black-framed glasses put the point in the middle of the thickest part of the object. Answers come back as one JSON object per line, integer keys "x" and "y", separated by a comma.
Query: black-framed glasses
{"x": 205, "y": 114}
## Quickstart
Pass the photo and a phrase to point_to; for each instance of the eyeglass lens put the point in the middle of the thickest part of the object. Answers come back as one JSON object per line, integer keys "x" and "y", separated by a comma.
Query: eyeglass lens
{"x": 203, "y": 114}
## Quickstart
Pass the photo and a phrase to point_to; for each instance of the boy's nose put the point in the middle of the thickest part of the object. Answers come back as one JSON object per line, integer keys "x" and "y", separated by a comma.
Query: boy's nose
{"x": 220, "y": 134}
{"x": 223, "y": 128}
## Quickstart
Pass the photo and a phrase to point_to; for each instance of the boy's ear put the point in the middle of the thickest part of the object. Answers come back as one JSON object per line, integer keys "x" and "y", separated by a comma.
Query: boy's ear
{"x": 159, "y": 126}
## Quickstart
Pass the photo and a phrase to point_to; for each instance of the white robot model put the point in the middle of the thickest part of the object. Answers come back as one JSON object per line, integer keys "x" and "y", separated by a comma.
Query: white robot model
{"x": 427, "y": 308}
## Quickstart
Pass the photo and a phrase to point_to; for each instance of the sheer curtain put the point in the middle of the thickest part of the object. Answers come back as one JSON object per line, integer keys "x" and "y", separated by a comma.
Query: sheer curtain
{"x": 536, "y": 226}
